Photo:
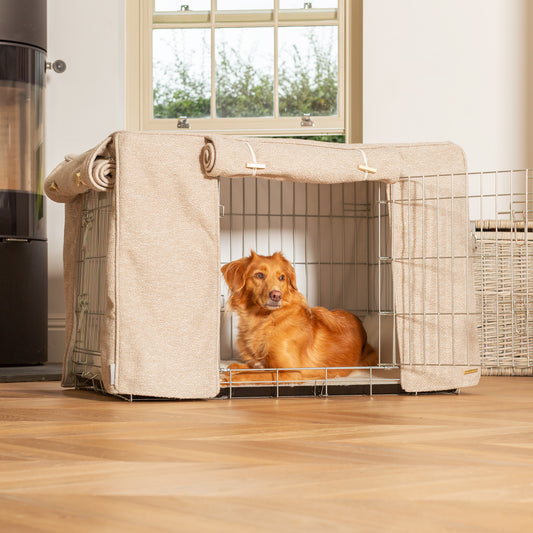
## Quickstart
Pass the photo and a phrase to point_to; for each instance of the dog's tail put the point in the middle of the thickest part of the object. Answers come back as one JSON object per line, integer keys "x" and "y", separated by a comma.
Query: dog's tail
{"x": 369, "y": 356}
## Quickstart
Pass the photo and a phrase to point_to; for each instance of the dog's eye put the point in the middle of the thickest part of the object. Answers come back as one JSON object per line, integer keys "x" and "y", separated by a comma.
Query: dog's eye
{"x": 259, "y": 275}
{"x": 282, "y": 278}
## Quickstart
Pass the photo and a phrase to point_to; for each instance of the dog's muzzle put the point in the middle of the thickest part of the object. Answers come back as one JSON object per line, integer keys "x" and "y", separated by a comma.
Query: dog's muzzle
{"x": 274, "y": 299}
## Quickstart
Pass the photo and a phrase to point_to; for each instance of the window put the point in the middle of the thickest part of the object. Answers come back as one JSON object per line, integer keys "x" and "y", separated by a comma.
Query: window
{"x": 276, "y": 67}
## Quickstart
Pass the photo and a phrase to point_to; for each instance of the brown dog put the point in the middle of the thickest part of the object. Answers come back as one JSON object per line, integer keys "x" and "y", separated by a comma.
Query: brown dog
{"x": 278, "y": 329}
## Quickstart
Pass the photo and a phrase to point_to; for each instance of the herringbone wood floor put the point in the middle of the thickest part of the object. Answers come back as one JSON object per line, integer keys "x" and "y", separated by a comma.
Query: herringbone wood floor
{"x": 78, "y": 461}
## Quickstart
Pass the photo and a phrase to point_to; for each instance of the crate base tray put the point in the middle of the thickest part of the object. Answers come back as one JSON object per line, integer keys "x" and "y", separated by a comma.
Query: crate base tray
{"x": 375, "y": 380}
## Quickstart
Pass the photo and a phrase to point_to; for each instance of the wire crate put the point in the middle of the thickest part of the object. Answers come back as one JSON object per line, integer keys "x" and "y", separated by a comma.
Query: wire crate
{"x": 338, "y": 239}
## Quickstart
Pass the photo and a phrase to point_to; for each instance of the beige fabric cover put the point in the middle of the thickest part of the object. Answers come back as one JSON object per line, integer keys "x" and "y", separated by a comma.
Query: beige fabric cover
{"x": 161, "y": 333}
{"x": 299, "y": 160}
{"x": 436, "y": 320}
{"x": 162, "y": 313}
{"x": 320, "y": 162}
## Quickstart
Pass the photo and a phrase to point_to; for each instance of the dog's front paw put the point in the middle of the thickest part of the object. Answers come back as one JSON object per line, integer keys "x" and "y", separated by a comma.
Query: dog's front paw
{"x": 225, "y": 373}
{"x": 239, "y": 366}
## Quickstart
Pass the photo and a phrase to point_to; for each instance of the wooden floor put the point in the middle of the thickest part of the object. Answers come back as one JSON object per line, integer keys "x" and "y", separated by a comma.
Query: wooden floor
{"x": 79, "y": 461}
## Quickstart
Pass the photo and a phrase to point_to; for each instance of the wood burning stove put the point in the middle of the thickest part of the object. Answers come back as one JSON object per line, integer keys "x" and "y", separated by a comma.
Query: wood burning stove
{"x": 23, "y": 245}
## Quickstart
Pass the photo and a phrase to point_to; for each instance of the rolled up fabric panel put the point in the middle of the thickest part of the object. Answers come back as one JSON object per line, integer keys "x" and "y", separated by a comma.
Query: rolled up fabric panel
{"x": 209, "y": 155}
{"x": 103, "y": 175}
{"x": 94, "y": 169}
{"x": 298, "y": 160}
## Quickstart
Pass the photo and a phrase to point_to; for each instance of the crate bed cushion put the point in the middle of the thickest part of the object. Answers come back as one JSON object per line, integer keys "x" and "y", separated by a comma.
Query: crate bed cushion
{"x": 160, "y": 334}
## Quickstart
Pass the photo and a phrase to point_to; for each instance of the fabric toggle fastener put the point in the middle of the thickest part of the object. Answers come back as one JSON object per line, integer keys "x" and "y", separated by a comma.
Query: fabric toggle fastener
{"x": 368, "y": 169}
{"x": 365, "y": 167}
{"x": 254, "y": 165}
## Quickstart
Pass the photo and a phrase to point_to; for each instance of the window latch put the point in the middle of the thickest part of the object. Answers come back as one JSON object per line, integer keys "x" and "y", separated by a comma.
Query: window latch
{"x": 306, "y": 121}
{"x": 184, "y": 7}
{"x": 182, "y": 123}
{"x": 308, "y": 5}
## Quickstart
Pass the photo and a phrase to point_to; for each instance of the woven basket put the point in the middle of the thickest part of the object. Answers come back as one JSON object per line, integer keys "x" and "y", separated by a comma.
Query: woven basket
{"x": 504, "y": 286}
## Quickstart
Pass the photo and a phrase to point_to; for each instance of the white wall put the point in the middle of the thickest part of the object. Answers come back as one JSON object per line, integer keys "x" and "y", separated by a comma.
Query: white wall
{"x": 82, "y": 106}
{"x": 433, "y": 70}
{"x": 450, "y": 70}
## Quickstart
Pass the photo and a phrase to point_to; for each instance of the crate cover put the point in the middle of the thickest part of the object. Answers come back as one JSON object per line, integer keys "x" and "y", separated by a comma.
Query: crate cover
{"x": 159, "y": 334}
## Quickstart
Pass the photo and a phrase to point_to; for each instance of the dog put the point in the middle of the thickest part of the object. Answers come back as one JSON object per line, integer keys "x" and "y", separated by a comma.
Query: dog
{"x": 278, "y": 329}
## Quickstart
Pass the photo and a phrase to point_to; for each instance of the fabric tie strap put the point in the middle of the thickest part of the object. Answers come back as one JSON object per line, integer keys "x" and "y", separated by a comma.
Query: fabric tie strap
{"x": 254, "y": 165}
{"x": 365, "y": 168}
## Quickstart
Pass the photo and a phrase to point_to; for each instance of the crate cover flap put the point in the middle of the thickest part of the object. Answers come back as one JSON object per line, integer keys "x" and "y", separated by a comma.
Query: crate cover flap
{"x": 161, "y": 322}
{"x": 435, "y": 304}
{"x": 320, "y": 162}
{"x": 298, "y": 160}
{"x": 167, "y": 268}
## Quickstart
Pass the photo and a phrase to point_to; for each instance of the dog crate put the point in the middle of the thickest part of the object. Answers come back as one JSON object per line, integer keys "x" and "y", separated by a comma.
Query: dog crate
{"x": 398, "y": 234}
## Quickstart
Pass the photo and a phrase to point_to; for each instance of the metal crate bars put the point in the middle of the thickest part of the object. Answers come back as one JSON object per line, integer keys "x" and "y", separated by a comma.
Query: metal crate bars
{"x": 90, "y": 287}
{"x": 335, "y": 236}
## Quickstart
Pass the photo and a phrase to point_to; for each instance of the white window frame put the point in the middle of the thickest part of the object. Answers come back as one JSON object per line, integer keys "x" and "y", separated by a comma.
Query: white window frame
{"x": 139, "y": 107}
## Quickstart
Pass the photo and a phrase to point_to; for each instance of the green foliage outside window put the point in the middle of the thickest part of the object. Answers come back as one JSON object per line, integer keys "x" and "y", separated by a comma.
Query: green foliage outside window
{"x": 308, "y": 87}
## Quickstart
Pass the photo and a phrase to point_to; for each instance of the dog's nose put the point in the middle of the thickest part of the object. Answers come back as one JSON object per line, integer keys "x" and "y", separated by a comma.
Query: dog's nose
{"x": 275, "y": 296}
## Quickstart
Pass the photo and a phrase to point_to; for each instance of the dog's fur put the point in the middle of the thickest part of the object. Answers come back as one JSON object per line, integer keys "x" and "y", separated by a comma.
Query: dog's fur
{"x": 278, "y": 329}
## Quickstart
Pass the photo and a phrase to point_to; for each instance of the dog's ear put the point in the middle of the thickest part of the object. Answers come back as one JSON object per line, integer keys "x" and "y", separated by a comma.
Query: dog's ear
{"x": 291, "y": 274}
{"x": 234, "y": 273}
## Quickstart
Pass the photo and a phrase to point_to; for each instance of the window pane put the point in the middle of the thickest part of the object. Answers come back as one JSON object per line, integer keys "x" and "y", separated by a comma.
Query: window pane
{"x": 244, "y": 4}
{"x": 175, "y": 5}
{"x": 308, "y": 66}
{"x": 244, "y": 72}
{"x": 181, "y": 73}
{"x": 299, "y": 4}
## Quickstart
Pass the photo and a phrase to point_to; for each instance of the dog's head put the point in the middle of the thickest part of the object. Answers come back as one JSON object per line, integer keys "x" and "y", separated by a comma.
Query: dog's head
{"x": 265, "y": 282}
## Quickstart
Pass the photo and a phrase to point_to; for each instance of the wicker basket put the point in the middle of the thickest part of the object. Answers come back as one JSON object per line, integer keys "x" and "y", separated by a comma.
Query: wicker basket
{"x": 504, "y": 285}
